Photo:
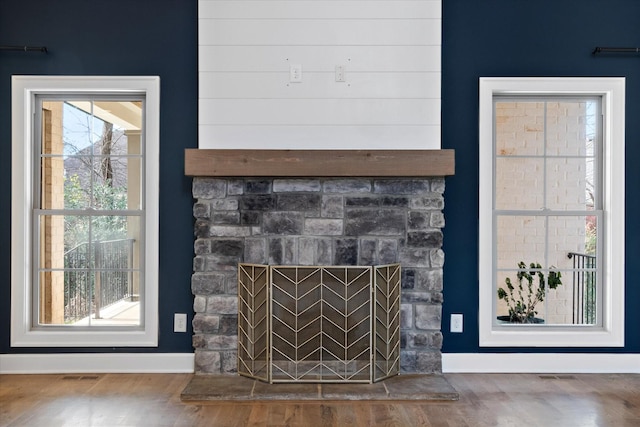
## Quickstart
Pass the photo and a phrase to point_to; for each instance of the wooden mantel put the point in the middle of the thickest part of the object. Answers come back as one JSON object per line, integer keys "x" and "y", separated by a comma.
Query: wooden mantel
{"x": 319, "y": 163}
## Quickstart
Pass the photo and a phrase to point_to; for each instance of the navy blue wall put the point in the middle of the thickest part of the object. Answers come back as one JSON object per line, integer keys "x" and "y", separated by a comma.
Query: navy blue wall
{"x": 115, "y": 37}
{"x": 480, "y": 38}
{"x": 506, "y": 38}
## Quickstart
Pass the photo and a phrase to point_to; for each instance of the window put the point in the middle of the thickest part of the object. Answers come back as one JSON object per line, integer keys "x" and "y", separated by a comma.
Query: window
{"x": 551, "y": 238}
{"x": 85, "y": 203}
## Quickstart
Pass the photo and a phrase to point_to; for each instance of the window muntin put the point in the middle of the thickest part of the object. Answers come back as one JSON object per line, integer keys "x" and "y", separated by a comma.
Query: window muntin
{"x": 89, "y": 151}
{"x": 546, "y": 198}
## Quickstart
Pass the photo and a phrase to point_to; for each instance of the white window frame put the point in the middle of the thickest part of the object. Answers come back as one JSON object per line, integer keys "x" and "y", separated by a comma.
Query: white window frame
{"x": 23, "y": 332}
{"x": 611, "y": 332}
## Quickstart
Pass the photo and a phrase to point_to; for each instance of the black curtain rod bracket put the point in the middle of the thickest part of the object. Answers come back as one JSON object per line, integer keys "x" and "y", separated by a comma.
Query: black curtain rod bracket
{"x": 42, "y": 49}
{"x": 615, "y": 50}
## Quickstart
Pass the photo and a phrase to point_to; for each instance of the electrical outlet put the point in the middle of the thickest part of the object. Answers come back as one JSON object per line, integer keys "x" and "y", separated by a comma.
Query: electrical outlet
{"x": 456, "y": 323}
{"x": 179, "y": 322}
{"x": 295, "y": 73}
{"x": 340, "y": 73}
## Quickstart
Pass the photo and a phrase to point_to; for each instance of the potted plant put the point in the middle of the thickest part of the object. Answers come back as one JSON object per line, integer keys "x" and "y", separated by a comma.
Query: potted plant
{"x": 523, "y": 297}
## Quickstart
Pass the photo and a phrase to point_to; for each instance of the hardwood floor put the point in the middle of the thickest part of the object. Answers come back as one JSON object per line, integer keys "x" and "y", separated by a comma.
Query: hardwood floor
{"x": 485, "y": 400}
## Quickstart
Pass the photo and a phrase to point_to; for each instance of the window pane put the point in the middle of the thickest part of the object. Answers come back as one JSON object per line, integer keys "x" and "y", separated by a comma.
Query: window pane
{"x": 571, "y": 234}
{"x": 570, "y": 184}
{"x": 570, "y": 128}
{"x": 91, "y": 155}
{"x": 519, "y": 128}
{"x": 88, "y": 264}
{"x": 525, "y": 303}
{"x": 520, "y": 238}
{"x": 519, "y": 183}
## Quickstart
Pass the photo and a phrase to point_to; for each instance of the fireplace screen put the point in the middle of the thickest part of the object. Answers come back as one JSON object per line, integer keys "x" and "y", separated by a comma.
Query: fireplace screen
{"x": 318, "y": 324}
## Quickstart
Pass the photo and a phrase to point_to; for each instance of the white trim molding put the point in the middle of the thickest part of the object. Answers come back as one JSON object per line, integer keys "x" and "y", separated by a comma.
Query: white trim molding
{"x": 23, "y": 332}
{"x": 583, "y": 363}
{"x": 96, "y": 363}
{"x": 610, "y": 330}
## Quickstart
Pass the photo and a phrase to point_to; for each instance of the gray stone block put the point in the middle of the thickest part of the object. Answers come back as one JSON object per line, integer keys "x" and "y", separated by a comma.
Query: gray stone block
{"x": 348, "y": 185}
{"x": 201, "y": 210}
{"x": 296, "y": 185}
{"x": 306, "y": 250}
{"x": 324, "y": 252}
{"x": 207, "y": 283}
{"x": 298, "y": 202}
{"x": 420, "y": 297}
{"x": 428, "y": 362}
{"x": 228, "y": 231}
{"x": 225, "y": 217}
{"x": 323, "y": 227}
{"x": 401, "y": 186}
{"x": 346, "y": 252}
{"x": 394, "y": 201}
{"x": 257, "y": 186}
{"x": 202, "y": 246}
{"x": 226, "y": 204}
{"x": 208, "y": 188}
{"x": 414, "y": 257}
{"x": 387, "y": 251}
{"x": 437, "y": 220}
{"x": 255, "y": 250}
{"x": 429, "y": 279}
{"x": 222, "y": 342}
{"x": 383, "y": 222}
{"x": 431, "y": 201}
{"x": 207, "y": 362}
{"x": 205, "y": 324}
{"x": 229, "y": 362}
{"x": 406, "y": 316}
{"x": 332, "y": 207}
{"x": 368, "y": 252}
{"x": 257, "y": 202}
{"x": 425, "y": 239}
{"x": 199, "y": 304}
{"x": 289, "y": 250}
{"x": 283, "y": 223}
{"x": 199, "y": 341}
{"x": 275, "y": 251}
{"x": 419, "y": 220}
{"x": 251, "y": 218}
{"x": 222, "y": 304}
{"x": 229, "y": 325}
{"x": 201, "y": 228}
{"x": 436, "y": 258}
{"x": 438, "y": 185}
{"x": 227, "y": 247}
{"x": 408, "y": 278}
{"x": 235, "y": 187}
{"x": 362, "y": 201}
{"x": 428, "y": 316}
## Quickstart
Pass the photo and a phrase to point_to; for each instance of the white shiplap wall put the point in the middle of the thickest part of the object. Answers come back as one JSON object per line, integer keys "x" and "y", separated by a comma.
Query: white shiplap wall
{"x": 390, "y": 51}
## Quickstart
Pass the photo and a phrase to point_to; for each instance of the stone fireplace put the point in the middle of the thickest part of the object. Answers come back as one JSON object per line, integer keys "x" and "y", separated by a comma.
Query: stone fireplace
{"x": 295, "y": 214}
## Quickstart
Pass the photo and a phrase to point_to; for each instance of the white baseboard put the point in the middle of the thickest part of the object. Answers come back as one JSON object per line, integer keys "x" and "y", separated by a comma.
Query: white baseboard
{"x": 541, "y": 363}
{"x": 451, "y": 363}
{"x": 96, "y": 363}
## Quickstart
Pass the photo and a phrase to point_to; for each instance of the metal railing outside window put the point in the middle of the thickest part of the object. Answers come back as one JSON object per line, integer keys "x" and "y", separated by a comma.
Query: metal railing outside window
{"x": 584, "y": 288}
{"x": 97, "y": 275}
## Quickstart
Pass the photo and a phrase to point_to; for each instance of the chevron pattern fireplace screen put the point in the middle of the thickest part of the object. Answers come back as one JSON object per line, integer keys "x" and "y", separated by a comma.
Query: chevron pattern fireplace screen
{"x": 318, "y": 324}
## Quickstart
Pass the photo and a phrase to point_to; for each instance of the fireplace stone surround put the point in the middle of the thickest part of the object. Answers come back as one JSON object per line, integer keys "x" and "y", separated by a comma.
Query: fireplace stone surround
{"x": 317, "y": 220}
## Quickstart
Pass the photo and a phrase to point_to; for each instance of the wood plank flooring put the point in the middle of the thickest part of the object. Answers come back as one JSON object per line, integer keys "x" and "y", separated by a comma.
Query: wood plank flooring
{"x": 485, "y": 400}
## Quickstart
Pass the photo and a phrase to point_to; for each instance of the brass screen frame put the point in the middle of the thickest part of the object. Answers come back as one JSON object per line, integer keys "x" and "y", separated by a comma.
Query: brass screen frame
{"x": 326, "y": 324}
